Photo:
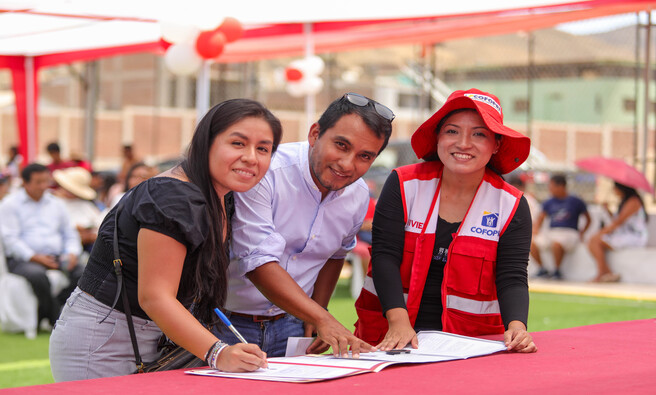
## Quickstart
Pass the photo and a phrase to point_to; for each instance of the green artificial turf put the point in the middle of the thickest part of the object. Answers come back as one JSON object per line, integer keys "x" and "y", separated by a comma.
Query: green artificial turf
{"x": 24, "y": 361}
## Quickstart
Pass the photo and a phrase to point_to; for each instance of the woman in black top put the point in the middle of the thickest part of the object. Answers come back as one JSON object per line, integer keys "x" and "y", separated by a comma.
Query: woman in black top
{"x": 464, "y": 143}
{"x": 173, "y": 232}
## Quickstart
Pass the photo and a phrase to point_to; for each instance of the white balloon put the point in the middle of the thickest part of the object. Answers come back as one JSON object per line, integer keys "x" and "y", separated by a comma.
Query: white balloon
{"x": 314, "y": 65}
{"x": 298, "y": 64}
{"x": 312, "y": 85}
{"x": 177, "y": 33}
{"x": 296, "y": 89}
{"x": 182, "y": 59}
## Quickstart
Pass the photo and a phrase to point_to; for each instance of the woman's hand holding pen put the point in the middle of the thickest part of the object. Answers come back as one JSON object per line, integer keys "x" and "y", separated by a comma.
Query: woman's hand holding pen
{"x": 241, "y": 358}
{"x": 400, "y": 332}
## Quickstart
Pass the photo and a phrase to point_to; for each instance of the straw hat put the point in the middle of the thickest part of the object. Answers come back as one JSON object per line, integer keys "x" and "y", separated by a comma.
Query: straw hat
{"x": 76, "y": 180}
{"x": 514, "y": 148}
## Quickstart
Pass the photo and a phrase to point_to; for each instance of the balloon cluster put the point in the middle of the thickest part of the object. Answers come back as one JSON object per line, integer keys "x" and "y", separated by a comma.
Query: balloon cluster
{"x": 191, "y": 45}
{"x": 302, "y": 76}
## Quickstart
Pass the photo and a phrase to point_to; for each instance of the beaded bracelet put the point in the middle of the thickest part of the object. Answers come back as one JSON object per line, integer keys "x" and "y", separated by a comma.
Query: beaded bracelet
{"x": 212, "y": 354}
{"x": 209, "y": 351}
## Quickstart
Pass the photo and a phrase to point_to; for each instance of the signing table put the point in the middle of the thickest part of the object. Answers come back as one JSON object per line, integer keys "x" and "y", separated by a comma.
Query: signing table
{"x": 617, "y": 357}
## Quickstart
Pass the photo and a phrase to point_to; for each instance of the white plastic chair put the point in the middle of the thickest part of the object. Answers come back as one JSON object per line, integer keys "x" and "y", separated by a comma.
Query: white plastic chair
{"x": 357, "y": 276}
{"x": 18, "y": 305}
{"x": 58, "y": 281}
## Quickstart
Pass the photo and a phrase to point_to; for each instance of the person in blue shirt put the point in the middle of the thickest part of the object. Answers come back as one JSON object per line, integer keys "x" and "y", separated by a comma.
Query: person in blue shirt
{"x": 293, "y": 230}
{"x": 563, "y": 234}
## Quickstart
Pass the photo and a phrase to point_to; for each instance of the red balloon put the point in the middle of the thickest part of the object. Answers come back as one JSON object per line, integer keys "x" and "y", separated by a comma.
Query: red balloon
{"x": 232, "y": 29}
{"x": 209, "y": 44}
{"x": 292, "y": 74}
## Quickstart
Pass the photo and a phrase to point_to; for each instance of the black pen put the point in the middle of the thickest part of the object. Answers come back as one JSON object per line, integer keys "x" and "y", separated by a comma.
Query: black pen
{"x": 401, "y": 351}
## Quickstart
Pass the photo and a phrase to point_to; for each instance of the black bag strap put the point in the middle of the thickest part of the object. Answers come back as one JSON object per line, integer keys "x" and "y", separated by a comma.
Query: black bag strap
{"x": 120, "y": 290}
{"x": 116, "y": 262}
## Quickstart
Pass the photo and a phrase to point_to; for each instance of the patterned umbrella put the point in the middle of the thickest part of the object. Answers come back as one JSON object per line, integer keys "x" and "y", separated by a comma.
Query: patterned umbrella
{"x": 617, "y": 170}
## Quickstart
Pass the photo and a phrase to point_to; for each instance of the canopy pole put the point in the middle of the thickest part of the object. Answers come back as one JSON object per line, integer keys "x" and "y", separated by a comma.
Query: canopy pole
{"x": 647, "y": 104}
{"x": 30, "y": 109}
{"x": 310, "y": 99}
{"x": 91, "y": 102}
{"x": 203, "y": 90}
{"x": 636, "y": 91}
{"x": 530, "y": 84}
{"x": 646, "y": 139}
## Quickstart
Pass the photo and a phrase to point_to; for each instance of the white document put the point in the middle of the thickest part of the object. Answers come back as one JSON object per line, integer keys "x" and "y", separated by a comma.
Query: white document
{"x": 297, "y": 345}
{"x": 412, "y": 357}
{"x": 458, "y": 346}
{"x": 306, "y": 368}
{"x": 434, "y": 346}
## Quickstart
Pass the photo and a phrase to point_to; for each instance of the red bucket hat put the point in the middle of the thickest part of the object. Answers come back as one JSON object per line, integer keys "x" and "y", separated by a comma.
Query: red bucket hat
{"x": 514, "y": 148}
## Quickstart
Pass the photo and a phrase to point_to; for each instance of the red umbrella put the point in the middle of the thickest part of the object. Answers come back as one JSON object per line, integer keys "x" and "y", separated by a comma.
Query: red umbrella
{"x": 617, "y": 170}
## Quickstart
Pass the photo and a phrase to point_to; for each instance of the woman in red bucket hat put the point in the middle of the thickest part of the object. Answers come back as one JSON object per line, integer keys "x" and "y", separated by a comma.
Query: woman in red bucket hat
{"x": 451, "y": 238}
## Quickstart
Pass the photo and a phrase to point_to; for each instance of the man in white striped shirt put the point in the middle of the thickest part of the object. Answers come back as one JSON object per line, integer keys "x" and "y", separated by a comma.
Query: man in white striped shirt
{"x": 38, "y": 236}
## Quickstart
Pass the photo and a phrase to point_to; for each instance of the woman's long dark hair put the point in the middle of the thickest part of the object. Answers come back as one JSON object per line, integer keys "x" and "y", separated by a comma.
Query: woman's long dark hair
{"x": 206, "y": 282}
{"x": 627, "y": 193}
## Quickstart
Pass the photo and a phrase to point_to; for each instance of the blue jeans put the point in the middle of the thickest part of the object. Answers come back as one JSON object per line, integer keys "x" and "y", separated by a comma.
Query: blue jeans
{"x": 271, "y": 336}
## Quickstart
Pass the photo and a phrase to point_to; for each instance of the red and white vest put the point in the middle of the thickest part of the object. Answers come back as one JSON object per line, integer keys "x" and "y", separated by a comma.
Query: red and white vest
{"x": 469, "y": 295}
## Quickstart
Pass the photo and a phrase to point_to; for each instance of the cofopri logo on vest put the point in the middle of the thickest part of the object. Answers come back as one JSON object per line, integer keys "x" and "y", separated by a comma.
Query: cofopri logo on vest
{"x": 488, "y": 220}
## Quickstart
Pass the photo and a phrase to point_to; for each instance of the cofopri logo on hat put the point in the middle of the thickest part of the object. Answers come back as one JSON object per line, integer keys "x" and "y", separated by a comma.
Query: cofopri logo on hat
{"x": 485, "y": 99}
{"x": 489, "y": 219}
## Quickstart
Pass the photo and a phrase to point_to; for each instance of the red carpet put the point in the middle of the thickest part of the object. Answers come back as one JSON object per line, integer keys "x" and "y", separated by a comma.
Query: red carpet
{"x": 596, "y": 359}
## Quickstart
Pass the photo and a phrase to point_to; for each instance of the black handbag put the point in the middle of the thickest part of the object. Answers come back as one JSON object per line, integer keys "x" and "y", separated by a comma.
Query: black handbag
{"x": 172, "y": 356}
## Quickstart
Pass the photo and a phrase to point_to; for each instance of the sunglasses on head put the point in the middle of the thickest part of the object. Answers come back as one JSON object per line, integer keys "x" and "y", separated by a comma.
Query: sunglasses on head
{"x": 363, "y": 101}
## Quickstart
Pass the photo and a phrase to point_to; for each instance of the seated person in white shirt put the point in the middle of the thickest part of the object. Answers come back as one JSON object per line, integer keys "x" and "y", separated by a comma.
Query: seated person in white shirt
{"x": 292, "y": 231}
{"x": 38, "y": 236}
{"x": 75, "y": 190}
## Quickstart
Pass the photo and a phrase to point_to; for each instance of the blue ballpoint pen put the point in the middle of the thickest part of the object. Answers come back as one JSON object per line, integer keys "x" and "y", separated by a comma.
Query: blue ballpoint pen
{"x": 227, "y": 322}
